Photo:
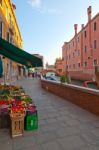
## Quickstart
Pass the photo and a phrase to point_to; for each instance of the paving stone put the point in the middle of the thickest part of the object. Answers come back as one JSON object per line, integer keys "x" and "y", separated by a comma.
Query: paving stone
{"x": 90, "y": 137}
{"x": 63, "y": 118}
{"x": 90, "y": 147}
{"x": 64, "y": 112}
{"x": 30, "y": 147}
{"x": 67, "y": 131}
{"x": 42, "y": 122}
{"x": 6, "y": 145}
{"x": 95, "y": 131}
{"x": 71, "y": 142}
{"x": 45, "y": 137}
{"x": 4, "y": 135}
{"x": 73, "y": 122}
{"x": 63, "y": 124}
{"x": 51, "y": 146}
{"x": 22, "y": 142}
{"x": 52, "y": 120}
{"x": 87, "y": 117}
{"x": 86, "y": 127}
{"x": 50, "y": 127}
{"x": 95, "y": 124}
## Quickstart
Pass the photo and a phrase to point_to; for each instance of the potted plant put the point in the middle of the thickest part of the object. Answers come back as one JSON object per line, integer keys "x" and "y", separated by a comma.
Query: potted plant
{"x": 64, "y": 79}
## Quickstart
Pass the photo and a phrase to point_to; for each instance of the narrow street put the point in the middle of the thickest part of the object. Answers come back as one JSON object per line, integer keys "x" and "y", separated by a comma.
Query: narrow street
{"x": 62, "y": 125}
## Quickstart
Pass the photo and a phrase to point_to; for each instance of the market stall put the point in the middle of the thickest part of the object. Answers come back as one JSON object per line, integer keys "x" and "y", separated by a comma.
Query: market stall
{"x": 17, "y": 110}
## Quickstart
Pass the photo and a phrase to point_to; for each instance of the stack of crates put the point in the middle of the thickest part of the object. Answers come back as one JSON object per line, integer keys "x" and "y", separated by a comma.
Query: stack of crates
{"x": 31, "y": 121}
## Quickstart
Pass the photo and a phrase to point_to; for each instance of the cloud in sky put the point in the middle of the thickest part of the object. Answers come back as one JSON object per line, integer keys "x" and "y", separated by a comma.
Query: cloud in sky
{"x": 39, "y": 6}
{"x": 35, "y": 3}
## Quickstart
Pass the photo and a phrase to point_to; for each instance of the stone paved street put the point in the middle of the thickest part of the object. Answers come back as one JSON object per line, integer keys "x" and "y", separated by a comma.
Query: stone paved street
{"x": 62, "y": 125}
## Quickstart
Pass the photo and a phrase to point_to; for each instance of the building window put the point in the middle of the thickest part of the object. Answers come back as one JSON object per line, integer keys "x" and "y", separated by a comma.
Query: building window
{"x": 95, "y": 44}
{"x": 95, "y": 26}
{"x": 78, "y": 52}
{"x": 79, "y": 65}
{"x": 85, "y": 34}
{"x": 95, "y": 62}
{"x": 69, "y": 56}
{"x": 85, "y": 64}
{"x": 73, "y": 43}
{"x": 1, "y": 29}
{"x": 78, "y": 39}
{"x": 10, "y": 19}
{"x": 1, "y": 2}
{"x": 8, "y": 37}
{"x": 7, "y": 15}
{"x": 74, "y": 66}
{"x": 60, "y": 70}
{"x": 67, "y": 67}
{"x": 7, "y": 68}
{"x": 73, "y": 55}
{"x": 85, "y": 48}
{"x": 10, "y": 40}
{"x": 17, "y": 37}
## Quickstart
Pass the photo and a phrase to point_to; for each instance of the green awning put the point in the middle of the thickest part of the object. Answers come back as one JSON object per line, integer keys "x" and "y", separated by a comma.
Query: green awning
{"x": 16, "y": 54}
{"x": 13, "y": 57}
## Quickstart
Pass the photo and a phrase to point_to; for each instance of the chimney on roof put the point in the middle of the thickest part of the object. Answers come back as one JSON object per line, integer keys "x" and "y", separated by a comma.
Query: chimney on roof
{"x": 14, "y": 7}
{"x": 82, "y": 26}
{"x": 89, "y": 11}
{"x": 75, "y": 28}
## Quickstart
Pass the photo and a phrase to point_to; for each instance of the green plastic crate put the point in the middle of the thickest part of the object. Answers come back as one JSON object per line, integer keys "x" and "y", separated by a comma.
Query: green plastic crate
{"x": 31, "y": 122}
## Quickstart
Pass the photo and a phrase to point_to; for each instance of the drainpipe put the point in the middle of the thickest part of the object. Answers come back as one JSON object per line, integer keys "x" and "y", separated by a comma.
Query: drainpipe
{"x": 75, "y": 29}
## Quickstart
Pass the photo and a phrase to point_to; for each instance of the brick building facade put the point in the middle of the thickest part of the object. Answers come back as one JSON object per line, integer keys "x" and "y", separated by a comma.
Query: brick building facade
{"x": 59, "y": 66}
{"x": 81, "y": 54}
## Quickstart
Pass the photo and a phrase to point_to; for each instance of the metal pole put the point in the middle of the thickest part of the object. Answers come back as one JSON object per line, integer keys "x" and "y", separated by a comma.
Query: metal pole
{"x": 10, "y": 71}
{"x": 4, "y": 69}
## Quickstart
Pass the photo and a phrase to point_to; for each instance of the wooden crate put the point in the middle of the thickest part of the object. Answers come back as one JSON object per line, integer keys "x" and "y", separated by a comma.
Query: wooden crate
{"x": 17, "y": 124}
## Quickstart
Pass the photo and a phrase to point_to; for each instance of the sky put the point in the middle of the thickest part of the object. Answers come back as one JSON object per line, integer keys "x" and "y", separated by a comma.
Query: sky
{"x": 46, "y": 24}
